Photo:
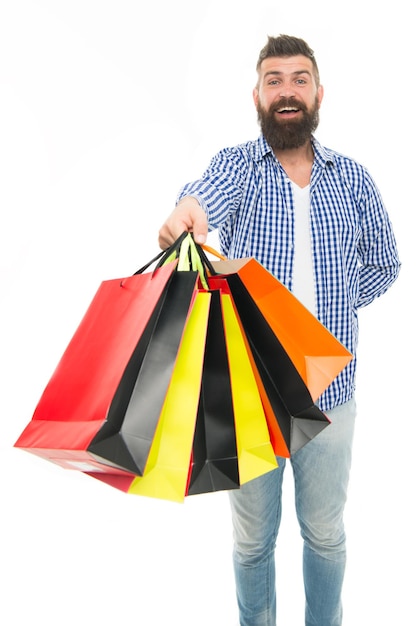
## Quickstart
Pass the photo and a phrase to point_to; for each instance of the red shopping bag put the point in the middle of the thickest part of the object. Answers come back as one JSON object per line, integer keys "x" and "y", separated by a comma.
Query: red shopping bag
{"x": 82, "y": 419}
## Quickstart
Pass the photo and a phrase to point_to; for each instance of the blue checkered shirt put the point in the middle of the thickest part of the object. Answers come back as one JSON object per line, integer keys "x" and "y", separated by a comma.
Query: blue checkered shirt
{"x": 248, "y": 197}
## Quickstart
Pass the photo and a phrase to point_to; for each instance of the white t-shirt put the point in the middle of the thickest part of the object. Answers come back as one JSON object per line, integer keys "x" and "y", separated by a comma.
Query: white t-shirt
{"x": 303, "y": 276}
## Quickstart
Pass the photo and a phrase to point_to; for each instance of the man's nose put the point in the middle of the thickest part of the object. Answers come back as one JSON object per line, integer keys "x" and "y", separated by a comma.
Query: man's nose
{"x": 287, "y": 90}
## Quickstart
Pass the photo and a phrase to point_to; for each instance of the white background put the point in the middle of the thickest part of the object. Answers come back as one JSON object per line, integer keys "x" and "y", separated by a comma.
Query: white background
{"x": 106, "y": 108}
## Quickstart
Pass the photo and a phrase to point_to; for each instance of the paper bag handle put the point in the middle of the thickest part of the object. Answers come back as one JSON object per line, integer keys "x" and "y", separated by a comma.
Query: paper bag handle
{"x": 164, "y": 256}
{"x": 190, "y": 255}
{"x": 213, "y": 251}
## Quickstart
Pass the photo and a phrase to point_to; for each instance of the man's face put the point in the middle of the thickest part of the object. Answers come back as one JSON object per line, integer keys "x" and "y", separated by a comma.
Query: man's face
{"x": 287, "y": 99}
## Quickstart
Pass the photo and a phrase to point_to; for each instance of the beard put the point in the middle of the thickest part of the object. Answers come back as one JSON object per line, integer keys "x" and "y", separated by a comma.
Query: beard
{"x": 287, "y": 134}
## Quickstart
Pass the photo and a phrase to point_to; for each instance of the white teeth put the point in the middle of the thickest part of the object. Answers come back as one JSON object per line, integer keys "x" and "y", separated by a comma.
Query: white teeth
{"x": 287, "y": 109}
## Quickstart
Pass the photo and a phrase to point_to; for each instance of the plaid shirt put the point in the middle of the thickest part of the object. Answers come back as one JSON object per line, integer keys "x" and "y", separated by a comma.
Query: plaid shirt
{"x": 248, "y": 197}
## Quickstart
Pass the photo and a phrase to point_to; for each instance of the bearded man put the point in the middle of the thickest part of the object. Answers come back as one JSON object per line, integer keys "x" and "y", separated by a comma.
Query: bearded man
{"x": 315, "y": 219}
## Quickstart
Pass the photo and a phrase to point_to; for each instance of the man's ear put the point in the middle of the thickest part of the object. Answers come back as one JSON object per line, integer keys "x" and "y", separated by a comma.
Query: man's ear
{"x": 255, "y": 95}
{"x": 320, "y": 94}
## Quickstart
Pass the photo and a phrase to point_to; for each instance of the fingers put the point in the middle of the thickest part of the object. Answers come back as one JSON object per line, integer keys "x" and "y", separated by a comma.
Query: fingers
{"x": 167, "y": 235}
{"x": 187, "y": 216}
{"x": 200, "y": 226}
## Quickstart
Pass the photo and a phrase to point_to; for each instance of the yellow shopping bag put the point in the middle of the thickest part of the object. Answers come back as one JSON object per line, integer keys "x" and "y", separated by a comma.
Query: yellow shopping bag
{"x": 255, "y": 452}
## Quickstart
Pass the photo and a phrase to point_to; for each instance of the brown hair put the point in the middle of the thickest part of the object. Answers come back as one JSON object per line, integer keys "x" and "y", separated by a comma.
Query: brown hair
{"x": 287, "y": 46}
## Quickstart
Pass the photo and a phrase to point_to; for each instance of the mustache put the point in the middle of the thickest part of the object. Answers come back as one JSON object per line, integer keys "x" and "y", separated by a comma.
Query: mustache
{"x": 287, "y": 102}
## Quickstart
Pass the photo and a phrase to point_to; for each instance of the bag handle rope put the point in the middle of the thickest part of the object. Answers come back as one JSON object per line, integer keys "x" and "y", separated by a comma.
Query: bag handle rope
{"x": 164, "y": 256}
{"x": 191, "y": 257}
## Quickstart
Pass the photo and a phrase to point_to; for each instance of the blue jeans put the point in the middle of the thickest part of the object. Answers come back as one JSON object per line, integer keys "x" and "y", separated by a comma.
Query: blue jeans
{"x": 321, "y": 473}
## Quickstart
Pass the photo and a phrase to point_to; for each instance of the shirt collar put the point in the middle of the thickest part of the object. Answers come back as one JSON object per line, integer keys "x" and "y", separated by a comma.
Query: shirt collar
{"x": 322, "y": 155}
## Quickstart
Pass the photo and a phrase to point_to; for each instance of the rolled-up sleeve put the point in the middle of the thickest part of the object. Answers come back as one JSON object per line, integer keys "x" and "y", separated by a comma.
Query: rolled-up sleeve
{"x": 219, "y": 191}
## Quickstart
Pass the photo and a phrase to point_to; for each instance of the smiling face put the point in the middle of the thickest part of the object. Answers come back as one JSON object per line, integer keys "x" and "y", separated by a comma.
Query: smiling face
{"x": 287, "y": 98}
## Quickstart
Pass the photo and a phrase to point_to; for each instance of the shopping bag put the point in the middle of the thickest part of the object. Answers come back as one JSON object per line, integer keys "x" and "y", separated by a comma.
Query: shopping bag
{"x": 167, "y": 470}
{"x": 128, "y": 320}
{"x": 255, "y": 452}
{"x": 76, "y": 400}
{"x": 214, "y": 463}
{"x": 316, "y": 353}
{"x": 298, "y": 418}
{"x": 254, "y": 449}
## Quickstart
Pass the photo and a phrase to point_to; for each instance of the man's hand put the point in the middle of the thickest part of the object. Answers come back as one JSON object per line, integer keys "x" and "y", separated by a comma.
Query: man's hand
{"x": 187, "y": 216}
